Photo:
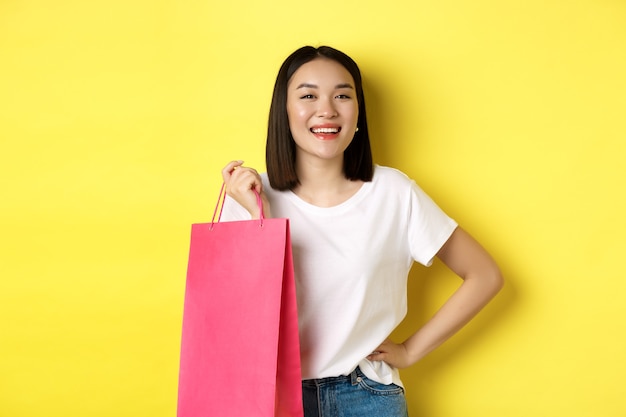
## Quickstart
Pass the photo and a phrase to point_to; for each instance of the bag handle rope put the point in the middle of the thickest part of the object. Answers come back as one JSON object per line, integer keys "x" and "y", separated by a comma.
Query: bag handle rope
{"x": 220, "y": 206}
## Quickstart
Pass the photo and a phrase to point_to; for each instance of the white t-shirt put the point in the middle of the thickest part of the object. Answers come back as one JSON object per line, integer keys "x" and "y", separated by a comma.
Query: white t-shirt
{"x": 351, "y": 264}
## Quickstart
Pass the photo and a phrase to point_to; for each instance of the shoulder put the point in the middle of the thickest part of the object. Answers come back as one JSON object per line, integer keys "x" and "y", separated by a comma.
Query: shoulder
{"x": 271, "y": 193}
{"x": 390, "y": 173}
{"x": 391, "y": 177}
{"x": 266, "y": 184}
{"x": 393, "y": 182}
{"x": 392, "y": 185}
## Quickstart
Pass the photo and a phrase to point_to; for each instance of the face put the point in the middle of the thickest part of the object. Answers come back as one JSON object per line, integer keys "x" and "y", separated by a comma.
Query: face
{"x": 323, "y": 110}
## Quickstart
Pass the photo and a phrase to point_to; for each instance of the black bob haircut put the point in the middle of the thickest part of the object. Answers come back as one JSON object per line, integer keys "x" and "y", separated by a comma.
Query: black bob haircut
{"x": 280, "y": 151}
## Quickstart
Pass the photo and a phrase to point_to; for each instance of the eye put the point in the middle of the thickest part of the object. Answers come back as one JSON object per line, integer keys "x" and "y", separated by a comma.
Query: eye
{"x": 343, "y": 97}
{"x": 307, "y": 97}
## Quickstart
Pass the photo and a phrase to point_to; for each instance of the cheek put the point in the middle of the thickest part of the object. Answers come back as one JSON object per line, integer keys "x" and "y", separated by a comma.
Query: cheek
{"x": 355, "y": 111}
{"x": 296, "y": 114}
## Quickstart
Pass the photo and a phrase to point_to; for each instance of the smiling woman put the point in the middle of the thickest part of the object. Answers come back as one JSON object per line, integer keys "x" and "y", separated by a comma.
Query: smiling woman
{"x": 351, "y": 281}
{"x": 281, "y": 149}
{"x": 511, "y": 114}
{"x": 322, "y": 111}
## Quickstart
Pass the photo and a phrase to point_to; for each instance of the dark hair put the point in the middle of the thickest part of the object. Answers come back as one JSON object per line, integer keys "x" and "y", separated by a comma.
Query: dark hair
{"x": 280, "y": 151}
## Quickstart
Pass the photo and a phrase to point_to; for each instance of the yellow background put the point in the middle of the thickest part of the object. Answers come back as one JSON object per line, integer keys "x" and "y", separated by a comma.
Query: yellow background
{"x": 116, "y": 117}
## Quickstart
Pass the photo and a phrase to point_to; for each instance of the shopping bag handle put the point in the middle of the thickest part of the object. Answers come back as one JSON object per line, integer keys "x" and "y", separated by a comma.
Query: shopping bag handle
{"x": 220, "y": 206}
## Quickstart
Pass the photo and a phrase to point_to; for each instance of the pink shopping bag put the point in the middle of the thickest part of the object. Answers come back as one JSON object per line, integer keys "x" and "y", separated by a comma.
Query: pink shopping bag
{"x": 240, "y": 352}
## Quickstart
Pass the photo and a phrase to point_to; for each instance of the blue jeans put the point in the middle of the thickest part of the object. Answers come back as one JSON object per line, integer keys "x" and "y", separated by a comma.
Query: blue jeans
{"x": 351, "y": 396}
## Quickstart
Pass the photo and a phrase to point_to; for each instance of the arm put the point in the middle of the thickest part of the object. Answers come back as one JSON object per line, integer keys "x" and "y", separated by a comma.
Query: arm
{"x": 481, "y": 282}
{"x": 240, "y": 182}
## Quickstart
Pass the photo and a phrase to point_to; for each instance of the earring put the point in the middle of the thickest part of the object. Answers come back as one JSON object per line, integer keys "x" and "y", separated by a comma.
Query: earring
{"x": 357, "y": 129}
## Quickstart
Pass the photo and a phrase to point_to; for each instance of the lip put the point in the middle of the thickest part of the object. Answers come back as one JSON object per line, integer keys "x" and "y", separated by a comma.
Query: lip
{"x": 326, "y": 135}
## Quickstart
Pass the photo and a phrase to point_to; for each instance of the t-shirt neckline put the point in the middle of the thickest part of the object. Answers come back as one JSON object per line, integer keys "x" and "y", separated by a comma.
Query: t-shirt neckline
{"x": 350, "y": 202}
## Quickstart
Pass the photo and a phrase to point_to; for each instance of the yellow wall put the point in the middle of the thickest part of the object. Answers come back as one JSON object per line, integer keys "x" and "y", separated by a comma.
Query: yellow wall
{"x": 116, "y": 117}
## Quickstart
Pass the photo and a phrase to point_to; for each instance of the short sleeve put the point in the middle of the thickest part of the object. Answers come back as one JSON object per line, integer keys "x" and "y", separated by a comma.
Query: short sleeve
{"x": 429, "y": 226}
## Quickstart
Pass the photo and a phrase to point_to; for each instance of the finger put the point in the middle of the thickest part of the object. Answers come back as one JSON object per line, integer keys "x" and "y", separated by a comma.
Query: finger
{"x": 229, "y": 168}
{"x": 258, "y": 186}
{"x": 376, "y": 356}
{"x": 380, "y": 352}
{"x": 248, "y": 176}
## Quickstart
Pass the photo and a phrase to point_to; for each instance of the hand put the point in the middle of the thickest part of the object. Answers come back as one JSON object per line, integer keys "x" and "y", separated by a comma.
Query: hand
{"x": 240, "y": 184}
{"x": 392, "y": 353}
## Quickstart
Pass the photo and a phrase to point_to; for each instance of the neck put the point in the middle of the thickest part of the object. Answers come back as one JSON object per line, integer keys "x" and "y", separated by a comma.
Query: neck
{"x": 318, "y": 173}
{"x": 323, "y": 183}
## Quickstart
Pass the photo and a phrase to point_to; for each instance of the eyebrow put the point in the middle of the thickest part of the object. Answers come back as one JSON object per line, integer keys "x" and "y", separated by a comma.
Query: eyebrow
{"x": 337, "y": 87}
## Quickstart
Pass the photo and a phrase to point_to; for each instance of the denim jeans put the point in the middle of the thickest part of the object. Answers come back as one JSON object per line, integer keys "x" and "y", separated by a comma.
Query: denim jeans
{"x": 351, "y": 396}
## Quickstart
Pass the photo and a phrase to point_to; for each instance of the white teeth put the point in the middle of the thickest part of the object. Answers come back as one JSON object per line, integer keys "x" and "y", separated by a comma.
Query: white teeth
{"x": 325, "y": 130}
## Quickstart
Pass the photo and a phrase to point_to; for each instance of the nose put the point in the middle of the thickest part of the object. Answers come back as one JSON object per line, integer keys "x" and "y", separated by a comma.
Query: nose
{"x": 327, "y": 108}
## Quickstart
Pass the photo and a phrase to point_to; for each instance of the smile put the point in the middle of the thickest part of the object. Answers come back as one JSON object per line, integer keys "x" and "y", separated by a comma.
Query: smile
{"x": 326, "y": 129}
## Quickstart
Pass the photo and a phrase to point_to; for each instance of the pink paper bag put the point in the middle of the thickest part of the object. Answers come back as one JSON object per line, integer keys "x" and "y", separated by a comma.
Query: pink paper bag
{"x": 240, "y": 352}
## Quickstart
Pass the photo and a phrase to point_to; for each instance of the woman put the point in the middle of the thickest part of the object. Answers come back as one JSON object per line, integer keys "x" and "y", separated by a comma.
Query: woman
{"x": 356, "y": 230}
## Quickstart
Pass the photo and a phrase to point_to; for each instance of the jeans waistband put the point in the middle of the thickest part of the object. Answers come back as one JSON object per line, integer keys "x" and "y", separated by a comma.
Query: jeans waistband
{"x": 354, "y": 378}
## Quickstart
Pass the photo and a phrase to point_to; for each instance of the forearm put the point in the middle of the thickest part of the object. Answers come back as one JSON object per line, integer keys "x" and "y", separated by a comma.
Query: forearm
{"x": 456, "y": 312}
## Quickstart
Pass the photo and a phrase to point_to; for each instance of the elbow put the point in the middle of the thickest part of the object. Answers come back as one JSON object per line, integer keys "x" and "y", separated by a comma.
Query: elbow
{"x": 494, "y": 280}
{"x": 488, "y": 280}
